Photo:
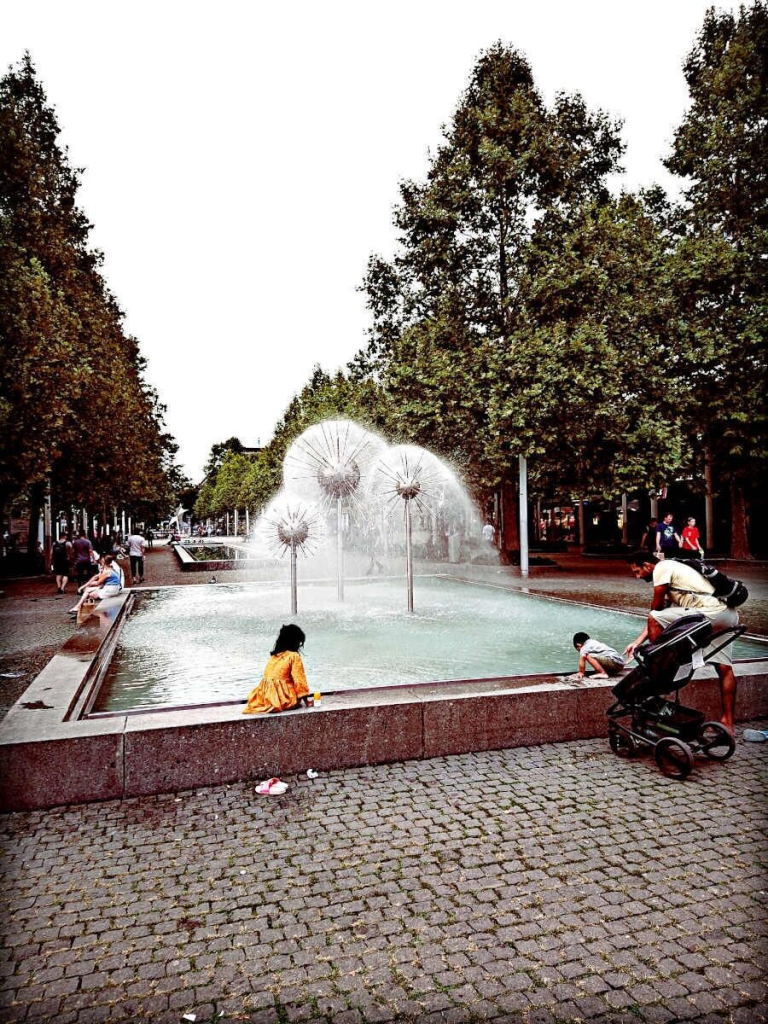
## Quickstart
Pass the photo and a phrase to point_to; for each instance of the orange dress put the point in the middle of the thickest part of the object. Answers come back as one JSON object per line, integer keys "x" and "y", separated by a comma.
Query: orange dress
{"x": 284, "y": 681}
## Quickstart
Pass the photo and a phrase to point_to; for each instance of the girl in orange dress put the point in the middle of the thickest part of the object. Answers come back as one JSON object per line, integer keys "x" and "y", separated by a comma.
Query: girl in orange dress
{"x": 284, "y": 684}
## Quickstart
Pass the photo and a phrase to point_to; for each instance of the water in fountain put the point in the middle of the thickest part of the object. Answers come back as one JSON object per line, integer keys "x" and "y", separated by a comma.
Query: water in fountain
{"x": 413, "y": 482}
{"x": 290, "y": 525}
{"x": 327, "y": 463}
{"x": 204, "y": 644}
{"x": 368, "y": 492}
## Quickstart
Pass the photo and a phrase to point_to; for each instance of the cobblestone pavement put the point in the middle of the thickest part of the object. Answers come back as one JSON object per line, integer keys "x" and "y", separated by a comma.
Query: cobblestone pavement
{"x": 556, "y": 883}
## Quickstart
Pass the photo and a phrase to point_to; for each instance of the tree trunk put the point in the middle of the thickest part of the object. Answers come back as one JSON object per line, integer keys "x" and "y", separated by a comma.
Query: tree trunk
{"x": 3, "y": 504}
{"x": 709, "y": 502}
{"x": 36, "y": 498}
{"x": 511, "y": 538}
{"x": 739, "y": 538}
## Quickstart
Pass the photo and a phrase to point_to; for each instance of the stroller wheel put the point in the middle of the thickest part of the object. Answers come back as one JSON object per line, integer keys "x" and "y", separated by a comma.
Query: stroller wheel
{"x": 716, "y": 741}
{"x": 673, "y": 757}
{"x": 622, "y": 743}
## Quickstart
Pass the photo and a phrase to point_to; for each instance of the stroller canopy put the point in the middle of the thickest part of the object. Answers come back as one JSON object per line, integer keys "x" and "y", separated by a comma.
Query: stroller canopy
{"x": 659, "y": 664}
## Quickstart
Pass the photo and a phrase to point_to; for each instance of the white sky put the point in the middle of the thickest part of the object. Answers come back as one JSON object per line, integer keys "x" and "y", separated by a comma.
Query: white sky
{"x": 242, "y": 159}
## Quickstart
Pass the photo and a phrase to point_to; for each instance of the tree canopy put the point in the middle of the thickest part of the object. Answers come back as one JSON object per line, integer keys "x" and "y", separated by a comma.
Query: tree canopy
{"x": 75, "y": 407}
{"x": 617, "y": 340}
{"x": 721, "y": 151}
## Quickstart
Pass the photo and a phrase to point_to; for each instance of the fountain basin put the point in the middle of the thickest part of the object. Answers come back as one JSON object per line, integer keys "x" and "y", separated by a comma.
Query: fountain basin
{"x": 213, "y": 557}
{"x": 54, "y": 749}
{"x": 197, "y": 645}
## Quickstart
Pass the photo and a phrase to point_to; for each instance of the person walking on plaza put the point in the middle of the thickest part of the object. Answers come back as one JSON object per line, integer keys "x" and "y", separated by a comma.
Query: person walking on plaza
{"x": 83, "y": 557}
{"x": 60, "y": 556}
{"x": 136, "y": 546}
{"x": 666, "y": 538}
{"x": 678, "y": 590}
{"x": 648, "y": 540}
{"x": 690, "y": 542}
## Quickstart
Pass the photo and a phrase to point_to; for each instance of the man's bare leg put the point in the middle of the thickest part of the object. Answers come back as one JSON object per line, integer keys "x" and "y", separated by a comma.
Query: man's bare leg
{"x": 655, "y": 629}
{"x": 727, "y": 694}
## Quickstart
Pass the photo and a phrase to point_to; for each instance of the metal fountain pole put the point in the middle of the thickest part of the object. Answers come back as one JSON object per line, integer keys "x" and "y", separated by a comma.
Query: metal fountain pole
{"x": 409, "y": 553}
{"x": 523, "y": 516}
{"x": 294, "y": 594}
{"x": 339, "y": 552}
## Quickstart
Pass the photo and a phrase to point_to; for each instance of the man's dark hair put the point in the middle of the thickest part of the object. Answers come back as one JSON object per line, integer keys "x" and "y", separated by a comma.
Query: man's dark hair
{"x": 580, "y": 638}
{"x": 640, "y": 558}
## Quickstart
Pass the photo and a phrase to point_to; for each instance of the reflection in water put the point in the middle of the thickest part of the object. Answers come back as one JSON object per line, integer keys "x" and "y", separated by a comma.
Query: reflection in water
{"x": 191, "y": 645}
{"x": 199, "y": 644}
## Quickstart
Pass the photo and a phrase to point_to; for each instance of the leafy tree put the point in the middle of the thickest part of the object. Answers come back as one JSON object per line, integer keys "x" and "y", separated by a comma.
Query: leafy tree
{"x": 219, "y": 452}
{"x": 36, "y": 333}
{"x": 207, "y": 502}
{"x": 73, "y": 397}
{"x": 229, "y": 482}
{"x": 449, "y": 303}
{"x": 204, "y": 503}
{"x": 591, "y": 386}
{"x": 42, "y": 245}
{"x": 720, "y": 149}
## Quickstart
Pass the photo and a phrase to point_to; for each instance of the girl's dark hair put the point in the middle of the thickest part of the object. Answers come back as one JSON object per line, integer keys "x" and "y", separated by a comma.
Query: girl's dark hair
{"x": 290, "y": 638}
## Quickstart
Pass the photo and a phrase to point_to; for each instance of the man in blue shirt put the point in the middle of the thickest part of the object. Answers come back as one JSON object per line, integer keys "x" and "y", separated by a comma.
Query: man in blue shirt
{"x": 666, "y": 538}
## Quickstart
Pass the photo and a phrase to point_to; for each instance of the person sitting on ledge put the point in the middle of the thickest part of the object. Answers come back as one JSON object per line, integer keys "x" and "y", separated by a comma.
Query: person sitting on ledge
{"x": 602, "y": 658}
{"x": 284, "y": 683}
{"x": 108, "y": 583}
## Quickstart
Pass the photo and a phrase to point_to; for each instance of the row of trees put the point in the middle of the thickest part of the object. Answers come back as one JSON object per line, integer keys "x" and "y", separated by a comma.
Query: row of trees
{"x": 617, "y": 342}
{"x": 76, "y": 413}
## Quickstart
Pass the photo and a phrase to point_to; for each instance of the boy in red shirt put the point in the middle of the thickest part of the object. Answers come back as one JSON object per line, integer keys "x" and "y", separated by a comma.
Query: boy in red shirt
{"x": 690, "y": 539}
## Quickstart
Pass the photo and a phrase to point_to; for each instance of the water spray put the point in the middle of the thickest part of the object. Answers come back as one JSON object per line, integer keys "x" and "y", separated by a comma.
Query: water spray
{"x": 294, "y": 527}
{"x": 414, "y": 476}
{"x": 329, "y": 459}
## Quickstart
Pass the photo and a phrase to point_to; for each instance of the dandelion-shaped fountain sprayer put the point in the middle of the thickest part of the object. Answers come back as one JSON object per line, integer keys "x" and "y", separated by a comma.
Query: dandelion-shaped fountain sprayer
{"x": 417, "y": 477}
{"x": 327, "y": 462}
{"x": 291, "y": 524}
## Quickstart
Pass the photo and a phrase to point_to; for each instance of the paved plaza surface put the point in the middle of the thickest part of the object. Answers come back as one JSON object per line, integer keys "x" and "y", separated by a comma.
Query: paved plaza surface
{"x": 555, "y": 883}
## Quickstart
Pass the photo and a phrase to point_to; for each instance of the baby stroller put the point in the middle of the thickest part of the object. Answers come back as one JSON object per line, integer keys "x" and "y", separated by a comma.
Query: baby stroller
{"x": 642, "y": 717}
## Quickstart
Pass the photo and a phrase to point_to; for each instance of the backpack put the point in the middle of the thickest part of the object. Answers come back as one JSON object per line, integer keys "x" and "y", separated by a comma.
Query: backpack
{"x": 731, "y": 592}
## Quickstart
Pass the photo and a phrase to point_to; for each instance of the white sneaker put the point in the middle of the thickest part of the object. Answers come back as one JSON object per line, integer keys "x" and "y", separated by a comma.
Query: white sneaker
{"x": 755, "y": 735}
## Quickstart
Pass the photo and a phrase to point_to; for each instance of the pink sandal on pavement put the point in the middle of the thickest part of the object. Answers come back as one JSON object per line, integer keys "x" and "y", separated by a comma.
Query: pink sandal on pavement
{"x": 272, "y": 787}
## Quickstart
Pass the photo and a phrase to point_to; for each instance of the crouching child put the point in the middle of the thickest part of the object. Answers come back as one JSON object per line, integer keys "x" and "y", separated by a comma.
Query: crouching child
{"x": 599, "y": 656}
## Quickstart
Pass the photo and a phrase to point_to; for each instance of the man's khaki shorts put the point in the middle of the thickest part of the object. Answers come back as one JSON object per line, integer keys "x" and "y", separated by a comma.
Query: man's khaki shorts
{"x": 719, "y": 618}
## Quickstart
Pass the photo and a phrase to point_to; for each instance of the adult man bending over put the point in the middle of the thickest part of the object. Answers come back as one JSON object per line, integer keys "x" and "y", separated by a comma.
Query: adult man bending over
{"x": 679, "y": 590}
